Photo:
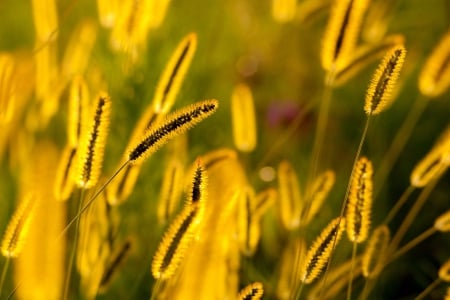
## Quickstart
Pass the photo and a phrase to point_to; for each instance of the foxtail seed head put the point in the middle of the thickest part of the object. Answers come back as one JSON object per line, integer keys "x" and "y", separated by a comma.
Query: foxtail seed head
{"x": 175, "y": 243}
{"x": 171, "y": 190}
{"x": 78, "y": 110}
{"x": 319, "y": 253}
{"x": 197, "y": 191}
{"x": 243, "y": 118}
{"x": 435, "y": 76}
{"x": 63, "y": 185}
{"x": 290, "y": 202}
{"x": 444, "y": 271}
{"x": 428, "y": 168}
{"x": 373, "y": 257}
{"x": 176, "y": 123}
{"x": 442, "y": 223}
{"x": 174, "y": 73}
{"x": 92, "y": 147}
{"x": 252, "y": 291}
{"x": 319, "y": 191}
{"x": 359, "y": 204}
{"x": 378, "y": 94}
{"x": 363, "y": 56}
{"x": 18, "y": 227}
{"x": 114, "y": 264}
{"x": 342, "y": 32}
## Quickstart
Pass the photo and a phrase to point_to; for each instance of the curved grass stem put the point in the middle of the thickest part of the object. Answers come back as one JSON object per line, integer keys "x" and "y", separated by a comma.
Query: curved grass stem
{"x": 299, "y": 291}
{"x": 414, "y": 242}
{"x": 88, "y": 203}
{"x": 5, "y": 270}
{"x": 414, "y": 211}
{"x": 156, "y": 289}
{"x": 344, "y": 202}
{"x": 74, "y": 248}
{"x": 399, "y": 142}
{"x": 319, "y": 136}
{"x": 297, "y": 262}
{"x": 398, "y": 205}
{"x": 428, "y": 290}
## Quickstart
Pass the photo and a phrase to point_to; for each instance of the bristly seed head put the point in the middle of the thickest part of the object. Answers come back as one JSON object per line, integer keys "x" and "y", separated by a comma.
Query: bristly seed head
{"x": 359, "y": 205}
{"x": 175, "y": 124}
{"x": 252, "y": 291}
{"x": 319, "y": 253}
{"x": 90, "y": 153}
{"x": 378, "y": 95}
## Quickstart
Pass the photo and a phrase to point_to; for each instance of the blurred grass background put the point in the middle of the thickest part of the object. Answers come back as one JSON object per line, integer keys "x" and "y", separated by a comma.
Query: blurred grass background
{"x": 239, "y": 41}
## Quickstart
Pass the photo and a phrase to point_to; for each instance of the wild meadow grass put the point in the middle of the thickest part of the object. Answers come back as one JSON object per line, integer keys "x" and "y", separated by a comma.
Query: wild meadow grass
{"x": 272, "y": 149}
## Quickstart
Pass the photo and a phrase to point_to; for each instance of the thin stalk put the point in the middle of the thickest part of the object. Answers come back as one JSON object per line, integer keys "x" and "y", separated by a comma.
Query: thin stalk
{"x": 5, "y": 270}
{"x": 299, "y": 292}
{"x": 399, "y": 204}
{"x": 429, "y": 288}
{"x": 74, "y": 248}
{"x": 86, "y": 206}
{"x": 414, "y": 211}
{"x": 156, "y": 289}
{"x": 417, "y": 240}
{"x": 350, "y": 281}
{"x": 319, "y": 136}
{"x": 424, "y": 235}
{"x": 298, "y": 255}
{"x": 365, "y": 290}
{"x": 344, "y": 203}
{"x": 399, "y": 142}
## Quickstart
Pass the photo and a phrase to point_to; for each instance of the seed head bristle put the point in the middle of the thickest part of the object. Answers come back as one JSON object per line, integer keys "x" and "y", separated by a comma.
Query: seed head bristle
{"x": 64, "y": 184}
{"x": 447, "y": 294}
{"x": 176, "y": 241}
{"x": 171, "y": 190}
{"x": 213, "y": 157}
{"x": 131, "y": 27}
{"x": 444, "y": 271}
{"x": 359, "y": 205}
{"x": 114, "y": 264}
{"x": 342, "y": 33}
{"x": 78, "y": 110}
{"x": 442, "y": 223}
{"x": 248, "y": 226}
{"x": 374, "y": 255}
{"x": 378, "y": 94}
{"x": 198, "y": 188}
{"x": 90, "y": 152}
{"x": 434, "y": 79}
{"x": 320, "y": 251}
{"x": 320, "y": 189}
{"x": 252, "y": 291}
{"x": 428, "y": 167}
{"x": 173, "y": 75}
{"x": 176, "y": 123}
{"x": 363, "y": 56}
{"x": 337, "y": 279}
{"x": 18, "y": 227}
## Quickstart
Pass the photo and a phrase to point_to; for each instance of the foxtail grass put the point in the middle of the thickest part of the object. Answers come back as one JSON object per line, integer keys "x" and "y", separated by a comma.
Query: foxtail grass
{"x": 252, "y": 291}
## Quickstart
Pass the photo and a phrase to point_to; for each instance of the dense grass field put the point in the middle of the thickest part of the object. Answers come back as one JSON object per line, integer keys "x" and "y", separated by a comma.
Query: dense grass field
{"x": 188, "y": 149}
